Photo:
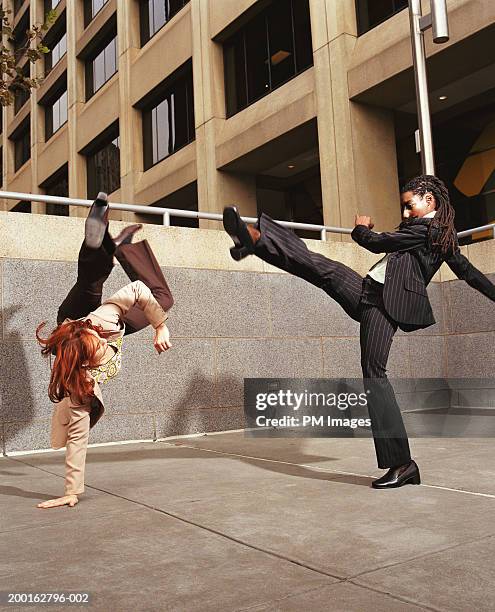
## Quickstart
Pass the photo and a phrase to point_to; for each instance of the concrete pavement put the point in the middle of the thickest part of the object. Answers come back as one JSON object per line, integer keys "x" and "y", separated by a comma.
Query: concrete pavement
{"x": 228, "y": 522}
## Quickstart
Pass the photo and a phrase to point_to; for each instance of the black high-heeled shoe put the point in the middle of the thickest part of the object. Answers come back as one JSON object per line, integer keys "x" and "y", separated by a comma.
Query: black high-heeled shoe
{"x": 96, "y": 222}
{"x": 238, "y": 231}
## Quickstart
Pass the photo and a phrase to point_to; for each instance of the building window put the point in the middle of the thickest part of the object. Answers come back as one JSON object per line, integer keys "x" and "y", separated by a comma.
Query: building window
{"x": 22, "y": 206}
{"x": 57, "y": 185}
{"x": 57, "y": 52}
{"x": 270, "y": 50}
{"x": 20, "y": 33}
{"x": 155, "y": 14}
{"x": 168, "y": 120}
{"x": 370, "y": 13}
{"x": 1, "y": 166}
{"x": 21, "y": 93}
{"x": 22, "y": 145}
{"x": 55, "y": 114}
{"x": 101, "y": 67}
{"x": 91, "y": 8}
{"x": 104, "y": 166}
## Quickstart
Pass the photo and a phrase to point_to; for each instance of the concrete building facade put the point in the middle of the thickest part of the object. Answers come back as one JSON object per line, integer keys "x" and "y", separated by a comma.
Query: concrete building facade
{"x": 331, "y": 138}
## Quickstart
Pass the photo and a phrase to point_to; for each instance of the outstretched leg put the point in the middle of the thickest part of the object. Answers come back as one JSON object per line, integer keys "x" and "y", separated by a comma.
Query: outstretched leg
{"x": 280, "y": 247}
{"x": 93, "y": 269}
{"x": 140, "y": 263}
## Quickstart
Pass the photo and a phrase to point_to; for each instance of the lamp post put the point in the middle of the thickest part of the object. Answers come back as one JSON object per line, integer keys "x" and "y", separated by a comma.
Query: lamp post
{"x": 438, "y": 21}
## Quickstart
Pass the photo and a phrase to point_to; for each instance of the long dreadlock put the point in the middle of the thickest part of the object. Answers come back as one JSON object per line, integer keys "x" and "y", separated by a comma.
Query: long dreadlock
{"x": 445, "y": 238}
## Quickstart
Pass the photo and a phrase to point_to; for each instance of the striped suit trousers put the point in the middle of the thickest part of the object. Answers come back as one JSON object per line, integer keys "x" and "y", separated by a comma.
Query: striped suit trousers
{"x": 362, "y": 300}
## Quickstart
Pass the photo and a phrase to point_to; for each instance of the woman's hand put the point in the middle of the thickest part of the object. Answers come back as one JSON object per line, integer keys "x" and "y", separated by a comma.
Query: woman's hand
{"x": 363, "y": 220}
{"x": 162, "y": 338}
{"x": 67, "y": 500}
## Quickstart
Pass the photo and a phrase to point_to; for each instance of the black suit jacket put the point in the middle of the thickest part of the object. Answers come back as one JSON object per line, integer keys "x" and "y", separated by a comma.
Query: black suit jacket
{"x": 411, "y": 267}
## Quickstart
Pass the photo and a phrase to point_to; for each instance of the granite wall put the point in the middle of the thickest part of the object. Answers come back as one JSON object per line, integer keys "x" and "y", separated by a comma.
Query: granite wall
{"x": 225, "y": 325}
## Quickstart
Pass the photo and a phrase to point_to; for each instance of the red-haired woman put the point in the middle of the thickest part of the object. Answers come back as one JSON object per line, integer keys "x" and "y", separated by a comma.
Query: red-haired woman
{"x": 87, "y": 342}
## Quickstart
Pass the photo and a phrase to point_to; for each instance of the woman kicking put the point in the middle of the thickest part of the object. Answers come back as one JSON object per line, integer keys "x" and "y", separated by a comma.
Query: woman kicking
{"x": 87, "y": 342}
{"x": 392, "y": 294}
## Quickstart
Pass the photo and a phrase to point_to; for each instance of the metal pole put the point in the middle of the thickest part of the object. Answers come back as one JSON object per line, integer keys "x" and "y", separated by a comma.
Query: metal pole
{"x": 419, "y": 61}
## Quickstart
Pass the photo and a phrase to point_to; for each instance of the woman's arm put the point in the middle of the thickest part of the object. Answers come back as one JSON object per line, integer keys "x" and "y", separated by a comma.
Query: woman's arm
{"x": 75, "y": 458}
{"x": 389, "y": 242}
{"x": 464, "y": 269}
{"x": 114, "y": 308}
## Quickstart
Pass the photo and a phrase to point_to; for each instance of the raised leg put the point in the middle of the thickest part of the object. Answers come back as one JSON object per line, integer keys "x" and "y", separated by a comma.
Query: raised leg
{"x": 93, "y": 269}
{"x": 280, "y": 247}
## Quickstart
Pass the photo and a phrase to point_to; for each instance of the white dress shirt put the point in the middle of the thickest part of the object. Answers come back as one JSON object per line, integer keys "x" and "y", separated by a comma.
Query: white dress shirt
{"x": 377, "y": 271}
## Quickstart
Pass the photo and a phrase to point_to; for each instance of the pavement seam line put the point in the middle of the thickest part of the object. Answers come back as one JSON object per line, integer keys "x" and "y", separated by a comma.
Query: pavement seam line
{"x": 321, "y": 469}
{"x": 429, "y": 554}
{"x": 398, "y": 597}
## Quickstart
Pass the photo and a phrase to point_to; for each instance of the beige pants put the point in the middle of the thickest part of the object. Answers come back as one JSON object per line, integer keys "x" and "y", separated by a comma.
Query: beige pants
{"x": 70, "y": 428}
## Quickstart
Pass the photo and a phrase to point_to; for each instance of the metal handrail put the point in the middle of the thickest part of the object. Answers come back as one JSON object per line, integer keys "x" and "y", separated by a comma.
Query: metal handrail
{"x": 166, "y": 213}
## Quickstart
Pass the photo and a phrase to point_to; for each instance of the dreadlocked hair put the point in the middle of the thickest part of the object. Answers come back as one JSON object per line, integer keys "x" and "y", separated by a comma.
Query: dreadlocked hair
{"x": 444, "y": 239}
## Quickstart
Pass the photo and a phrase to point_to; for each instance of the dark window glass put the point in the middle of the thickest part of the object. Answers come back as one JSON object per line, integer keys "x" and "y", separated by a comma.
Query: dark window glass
{"x": 55, "y": 115}
{"x": 58, "y": 50}
{"x": 21, "y": 95}
{"x": 271, "y": 49}
{"x": 169, "y": 124}
{"x": 281, "y": 45}
{"x": 370, "y": 13}
{"x": 24, "y": 207}
{"x": 101, "y": 67}
{"x": 22, "y": 147}
{"x": 258, "y": 77}
{"x": 236, "y": 84}
{"x": 104, "y": 168}
{"x": 91, "y": 8}
{"x": 155, "y": 14}
{"x": 58, "y": 185}
{"x": 1, "y": 166}
{"x": 19, "y": 34}
{"x": 17, "y": 6}
{"x": 302, "y": 36}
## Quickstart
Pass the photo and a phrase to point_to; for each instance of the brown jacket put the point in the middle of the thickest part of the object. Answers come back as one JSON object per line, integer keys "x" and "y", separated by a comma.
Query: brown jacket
{"x": 71, "y": 422}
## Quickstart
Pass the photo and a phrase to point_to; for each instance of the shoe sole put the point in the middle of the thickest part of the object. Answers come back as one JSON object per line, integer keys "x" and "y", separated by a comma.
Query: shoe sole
{"x": 413, "y": 480}
{"x": 94, "y": 232}
{"x": 231, "y": 226}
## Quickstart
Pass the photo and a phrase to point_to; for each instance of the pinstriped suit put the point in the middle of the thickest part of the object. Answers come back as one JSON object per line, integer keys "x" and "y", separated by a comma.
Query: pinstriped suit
{"x": 401, "y": 302}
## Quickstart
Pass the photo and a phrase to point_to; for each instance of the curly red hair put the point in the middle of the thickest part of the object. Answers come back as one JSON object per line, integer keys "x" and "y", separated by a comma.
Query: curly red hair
{"x": 75, "y": 350}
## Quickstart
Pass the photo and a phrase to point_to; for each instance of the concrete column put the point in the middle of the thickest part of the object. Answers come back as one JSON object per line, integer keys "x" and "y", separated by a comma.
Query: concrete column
{"x": 129, "y": 118}
{"x": 215, "y": 188}
{"x": 75, "y": 101}
{"x": 36, "y": 15}
{"x": 356, "y": 143}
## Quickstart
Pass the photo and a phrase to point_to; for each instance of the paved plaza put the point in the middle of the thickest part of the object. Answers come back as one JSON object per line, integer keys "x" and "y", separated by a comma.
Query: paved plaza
{"x": 227, "y": 522}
